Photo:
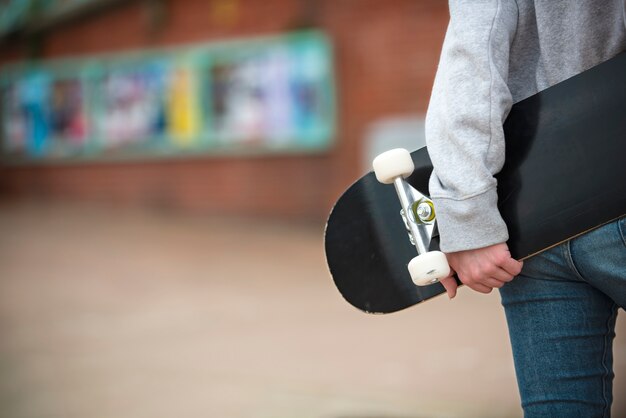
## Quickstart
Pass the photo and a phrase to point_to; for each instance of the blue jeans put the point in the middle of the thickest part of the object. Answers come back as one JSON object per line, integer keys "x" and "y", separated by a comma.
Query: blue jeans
{"x": 561, "y": 313}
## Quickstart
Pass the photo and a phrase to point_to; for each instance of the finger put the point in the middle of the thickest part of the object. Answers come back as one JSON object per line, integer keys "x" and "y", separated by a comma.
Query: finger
{"x": 512, "y": 266}
{"x": 449, "y": 283}
{"x": 479, "y": 287}
{"x": 501, "y": 275}
{"x": 493, "y": 283}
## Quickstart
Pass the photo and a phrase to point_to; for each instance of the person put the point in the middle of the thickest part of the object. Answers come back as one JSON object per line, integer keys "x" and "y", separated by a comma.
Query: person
{"x": 562, "y": 305}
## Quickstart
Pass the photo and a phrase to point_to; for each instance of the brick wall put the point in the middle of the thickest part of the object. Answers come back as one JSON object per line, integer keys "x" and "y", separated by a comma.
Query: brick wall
{"x": 385, "y": 59}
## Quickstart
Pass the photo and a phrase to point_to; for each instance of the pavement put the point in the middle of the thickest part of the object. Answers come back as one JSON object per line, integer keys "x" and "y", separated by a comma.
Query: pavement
{"x": 110, "y": 312}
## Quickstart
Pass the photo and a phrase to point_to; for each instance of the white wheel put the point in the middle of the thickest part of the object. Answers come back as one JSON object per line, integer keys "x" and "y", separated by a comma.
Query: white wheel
{"x": 429, "y": 268}
{"x": 393, "y": 163}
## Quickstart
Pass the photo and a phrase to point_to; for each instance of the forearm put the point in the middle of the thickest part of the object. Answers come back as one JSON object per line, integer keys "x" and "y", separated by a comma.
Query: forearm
{"x": 464, "y": 133}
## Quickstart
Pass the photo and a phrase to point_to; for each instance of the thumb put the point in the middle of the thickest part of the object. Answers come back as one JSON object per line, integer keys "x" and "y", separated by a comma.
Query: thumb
{"x": 449, "y": 283}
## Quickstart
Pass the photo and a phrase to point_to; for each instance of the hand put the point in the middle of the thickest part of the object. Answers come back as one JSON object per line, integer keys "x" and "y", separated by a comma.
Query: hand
{"x": 481, "y": 269}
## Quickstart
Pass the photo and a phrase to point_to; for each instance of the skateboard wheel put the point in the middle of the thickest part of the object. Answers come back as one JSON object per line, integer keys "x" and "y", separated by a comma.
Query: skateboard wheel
{"x": 392, "y": 164}
{"x": 429, "y": 268}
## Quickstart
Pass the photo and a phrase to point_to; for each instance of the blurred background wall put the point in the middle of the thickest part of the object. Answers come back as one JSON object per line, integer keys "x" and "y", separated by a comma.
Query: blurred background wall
{"x": 383, "y": 60}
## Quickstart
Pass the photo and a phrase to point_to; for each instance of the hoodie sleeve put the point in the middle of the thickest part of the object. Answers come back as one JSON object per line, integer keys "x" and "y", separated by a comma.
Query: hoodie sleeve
{"x": 464, "y": 134}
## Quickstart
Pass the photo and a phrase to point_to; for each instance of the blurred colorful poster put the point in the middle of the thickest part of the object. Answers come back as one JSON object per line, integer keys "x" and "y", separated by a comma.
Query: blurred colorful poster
{"x": 68, "y": 116}
{"x": 277, "y": 95}
{"x": 25, "y": 114}
{"x": 273, "y": 93}
{"x": 14, "y": 121}
{"x": 183, "y": 107}
{"x": 133, "y": 105}
{"x": 44, "y": 116}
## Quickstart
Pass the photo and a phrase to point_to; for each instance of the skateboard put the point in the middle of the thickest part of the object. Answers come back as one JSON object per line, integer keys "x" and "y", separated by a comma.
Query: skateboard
{"x": 565, "y": 174}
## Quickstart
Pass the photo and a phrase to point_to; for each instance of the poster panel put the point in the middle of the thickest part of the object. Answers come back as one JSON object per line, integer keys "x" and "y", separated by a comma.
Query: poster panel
{"x": 14, "y": 121}
{"x": 68, "y": 118}
{"x": 26, "y": 124}
{"x": 266, "y": 95}
{"x": 44, "y": 116}
{"x": 183, "y": 107}
{"x": 132, "y": 105}
{"x": 275, "y": 96}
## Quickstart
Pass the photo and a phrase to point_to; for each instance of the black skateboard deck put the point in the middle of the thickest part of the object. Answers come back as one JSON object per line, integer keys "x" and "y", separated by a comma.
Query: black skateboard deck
{"x": 565, "y": 174}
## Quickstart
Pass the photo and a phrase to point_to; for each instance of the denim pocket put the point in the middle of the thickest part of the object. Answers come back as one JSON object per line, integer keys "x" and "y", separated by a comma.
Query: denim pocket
{"x": 621, "y": 225}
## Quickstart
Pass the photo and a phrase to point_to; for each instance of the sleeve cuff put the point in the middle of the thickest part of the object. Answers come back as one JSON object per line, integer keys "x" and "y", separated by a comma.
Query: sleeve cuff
{"x": 470, "y": 223}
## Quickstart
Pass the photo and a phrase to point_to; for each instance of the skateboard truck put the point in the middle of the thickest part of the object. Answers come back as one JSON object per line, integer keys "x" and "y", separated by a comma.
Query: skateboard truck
{"x": 418, "y": 213}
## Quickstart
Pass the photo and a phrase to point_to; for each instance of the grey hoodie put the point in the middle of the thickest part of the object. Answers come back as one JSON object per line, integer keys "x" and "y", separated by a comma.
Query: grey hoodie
{"x": 496, "y": 53}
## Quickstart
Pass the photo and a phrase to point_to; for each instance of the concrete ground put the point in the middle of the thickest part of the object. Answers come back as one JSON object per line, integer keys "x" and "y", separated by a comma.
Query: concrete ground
{"x": 116, "y": 313}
